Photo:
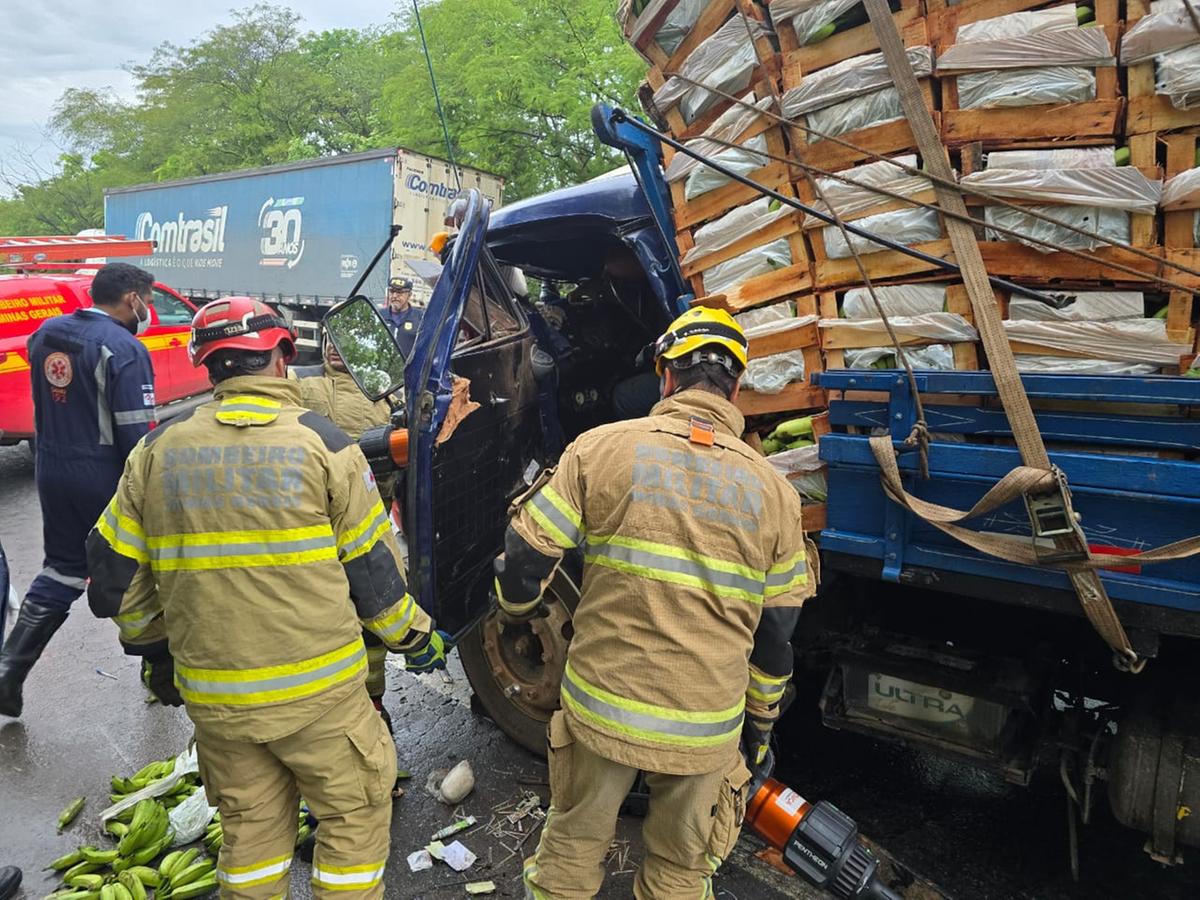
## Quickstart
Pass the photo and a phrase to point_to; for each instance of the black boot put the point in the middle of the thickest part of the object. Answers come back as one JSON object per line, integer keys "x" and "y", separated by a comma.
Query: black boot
{"x": 32, "y": 632}
{"x": 10, "y": 880}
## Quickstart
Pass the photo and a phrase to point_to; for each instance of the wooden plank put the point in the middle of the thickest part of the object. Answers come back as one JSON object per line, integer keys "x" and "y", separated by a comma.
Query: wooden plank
{"x": 1012, "y": 260}
{"x": 1154, "y": 112}
{"x": 761, "y": 289}
{"x": 887, "y": 139}
{"x": 855, "y": 41}
{"x": 929, "y": 196}
{"x": 721, "y": 200}
{"x": 812, "y": 516}
{"x": 836, "y": 337}
{"x": 797, "y": 396}
{"x": 1097, "y": 121}
{"x": 944, "y": 17}
{"x": 711, "y": 19}
{"x": 785, "y": 341}
{"x": 882, "y": 266}
{"x": 779, "y": 229}
{"x": 1143, "y": 151}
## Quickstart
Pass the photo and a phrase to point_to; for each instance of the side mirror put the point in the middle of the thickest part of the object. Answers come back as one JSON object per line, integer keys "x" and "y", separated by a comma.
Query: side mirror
{"x": 367, "y": 346}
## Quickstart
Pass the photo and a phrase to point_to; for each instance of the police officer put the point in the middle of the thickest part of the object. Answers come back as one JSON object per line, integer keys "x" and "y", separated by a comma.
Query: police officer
{"x": 402, "y": 317}
{"x": 244, "y": 552}
{"x": 335, "y": 395}
{"x": 93, "y": 398}
{"x": 694, "y": 571}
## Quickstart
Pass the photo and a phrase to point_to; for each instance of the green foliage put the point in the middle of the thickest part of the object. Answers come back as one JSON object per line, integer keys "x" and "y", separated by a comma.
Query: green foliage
{"x": 517, "y": 80}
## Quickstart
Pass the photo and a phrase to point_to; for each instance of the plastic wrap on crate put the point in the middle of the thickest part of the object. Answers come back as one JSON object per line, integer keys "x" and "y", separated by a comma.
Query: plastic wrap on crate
{"x": 1088, "y": 306}
{"x": 1177, "y": 76}
{"x": 896, "y": 300}
{"x": 771, "y": 374}
{"x": 1168, "y": 27}
{"x": 743, "y": 161}
{"x": 725, "y": 61}
{"x": 849, "y": 199}
{"x": 1076, "y": 47}
{"x": 998, "y": 89}
{"x": 935, "y": 356}
{"x": 1019, "y": 24}
{"x": 1112, "y": 224}
{"x": 1064, "y": 158}
{"x": 675, "y": 26}
{"x": 1028, "y": 362}
{"x": 850, "y": 115}
{"x": 757, "y": 261}
{"x": 850, "y": 78}
{"x": 1130, "y": 340}
{"x": 804, "y": 470}
{"x": 809, "y": 17}
{"x": 735, "y": 225}
{"x": 1182, "y": 187}
{"x": 775, "y": 315}
{"x": 908, "y": 226}
{"x": 731, "y": 123}
{"x": 775, "y": 326}
{"x": 936, "y": 326}
{"x": 1119, "y": 187}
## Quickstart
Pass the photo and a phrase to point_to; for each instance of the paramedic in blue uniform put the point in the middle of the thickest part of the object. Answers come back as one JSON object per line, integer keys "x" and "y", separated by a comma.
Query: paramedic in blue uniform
{"x": 402, "y": 317}
{"x": 93, "y": 399}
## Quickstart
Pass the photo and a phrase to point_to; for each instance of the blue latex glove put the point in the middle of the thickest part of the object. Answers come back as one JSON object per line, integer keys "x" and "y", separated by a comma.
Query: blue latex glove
{"x": 432, "y": 655}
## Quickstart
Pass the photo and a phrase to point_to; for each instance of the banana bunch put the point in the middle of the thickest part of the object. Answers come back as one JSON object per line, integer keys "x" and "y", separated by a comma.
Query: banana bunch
{"x": 214, "y": 835}
{"x": 181, "y": 877}
{"x": 147, "y": 776}
{"x": 789, "y": 435}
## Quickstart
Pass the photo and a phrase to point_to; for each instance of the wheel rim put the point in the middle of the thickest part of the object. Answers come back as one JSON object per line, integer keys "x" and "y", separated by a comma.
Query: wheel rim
{"x": 527, "y": 661}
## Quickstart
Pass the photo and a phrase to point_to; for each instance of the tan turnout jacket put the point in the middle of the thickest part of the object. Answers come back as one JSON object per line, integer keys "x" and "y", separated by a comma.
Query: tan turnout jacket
{"x": 336, "y": 396}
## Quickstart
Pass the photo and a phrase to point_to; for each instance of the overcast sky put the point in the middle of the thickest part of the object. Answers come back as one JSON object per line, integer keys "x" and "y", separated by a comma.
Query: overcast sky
{"x": 51, "y": 45}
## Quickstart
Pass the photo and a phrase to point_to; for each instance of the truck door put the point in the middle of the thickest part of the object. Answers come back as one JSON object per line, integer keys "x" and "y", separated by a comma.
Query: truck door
{"x": 167, "y": 338}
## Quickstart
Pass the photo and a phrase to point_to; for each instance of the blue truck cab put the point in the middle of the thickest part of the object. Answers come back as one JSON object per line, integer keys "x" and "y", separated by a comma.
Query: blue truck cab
{"x": 913, "y": 637}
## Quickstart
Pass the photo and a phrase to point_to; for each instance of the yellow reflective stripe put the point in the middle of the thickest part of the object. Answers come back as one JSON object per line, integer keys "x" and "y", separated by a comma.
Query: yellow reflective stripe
{"x": 676, "y": 565}
{"x": 245, "y": 409}
{"x": 348, "y": 878}
{"x": 514, "y": 608}
{"x": 646, "y": 721}
{"x": 265, "y": 403}
{"x": 766, "y": 688}
{"x": 786, "y": 575}
{"x": 362, "y": 537}
{"x": 123, "y": 534}
{"x": 392, "y": 625}
{"x": 555, "y": 515}
{"x": 242, "y": 549}
{"x": 272, "y": 684}
{"x": 529, "y": 871}
{"x": 132, "y": 624}
{"x": 256, "y": 873}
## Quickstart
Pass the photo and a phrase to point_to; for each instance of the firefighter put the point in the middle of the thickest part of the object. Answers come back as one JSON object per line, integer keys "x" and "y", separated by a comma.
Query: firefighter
{"x": 335, "y": 395}
{"x": 694, "y": 572}
{"x": 402, "y": 317}
{"x": 244, "y": 552}
{"x": 93, "y": 398}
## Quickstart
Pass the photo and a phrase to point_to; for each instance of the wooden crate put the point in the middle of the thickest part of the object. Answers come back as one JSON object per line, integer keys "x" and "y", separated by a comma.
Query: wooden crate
{"x": 1149, "y": 111}
{"x": 851, "y": 42}
{"x": 766, "y": 73}
{"x": 799, "y": 395}
{"x": 642, "y": 30}
{"x": 760, "y": 289}
{"x": 836, "y": 341}
{"x": 1178, "y": 150}
{"x": 715, "y": 203}
{"x": 1071, "y": 124}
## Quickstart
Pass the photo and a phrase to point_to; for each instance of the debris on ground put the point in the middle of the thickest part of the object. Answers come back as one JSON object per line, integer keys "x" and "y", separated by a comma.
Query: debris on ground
{"x": 455, "y": 855}
{"x": 454, "y": 828}
{"x": 451, "y": 787}
{"x": 514, "y": 822}
{"x": 419, "y": 861}
{"x": 476, "y": 888}
{"x": 618, "y": 856}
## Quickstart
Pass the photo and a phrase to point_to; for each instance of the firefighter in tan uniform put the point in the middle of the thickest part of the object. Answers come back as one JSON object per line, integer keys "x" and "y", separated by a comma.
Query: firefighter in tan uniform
{"x": 245, "y": 550}
{"x": 695, "y": 569}
{"x": 335, "y": 395}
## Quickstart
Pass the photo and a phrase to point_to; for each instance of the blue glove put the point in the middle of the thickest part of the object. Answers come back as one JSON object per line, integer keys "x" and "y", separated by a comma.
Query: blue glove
{"x": 431, "y": 655}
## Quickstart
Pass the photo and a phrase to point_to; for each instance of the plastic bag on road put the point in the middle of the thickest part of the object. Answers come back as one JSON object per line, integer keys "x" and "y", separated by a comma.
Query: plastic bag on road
{"x": 191, "y": 817}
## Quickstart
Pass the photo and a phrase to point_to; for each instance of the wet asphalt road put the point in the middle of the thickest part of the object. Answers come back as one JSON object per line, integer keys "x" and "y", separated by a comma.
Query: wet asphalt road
{"x": 975, "y": 836}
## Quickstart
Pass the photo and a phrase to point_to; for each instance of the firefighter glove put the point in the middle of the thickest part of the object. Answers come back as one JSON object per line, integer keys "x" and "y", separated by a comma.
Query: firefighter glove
{"x": 430, "y": 655}
{"x": 158, "y": 674}
{"x": 756, "y": 746}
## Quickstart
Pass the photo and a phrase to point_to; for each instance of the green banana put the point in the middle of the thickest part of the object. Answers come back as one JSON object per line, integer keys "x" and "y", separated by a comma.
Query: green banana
{"x": 168, "y": 862}
{"x": 91, "y": 881}
{"x": 91, "y": 854}
{"x": 120, "y": 892}
{"x": 108, "y": 892}
{"x": 1122, "y": 156}
{"x": 794, "y": 428}
{"x": 195, "y": 889}
{"x": 194, "y": 872}
{"x": 80, "y": 868}
{"x": 770, "y": 445}
{"x": 181, "y": 862}
{"x": 116, "y": 829}
{"x": 132, "y": 884}
{"x": 66, "y": 861}
{"x": 147, "y": 875}
{"x": 147, "y": 854}
{"x": 67, "y": 816}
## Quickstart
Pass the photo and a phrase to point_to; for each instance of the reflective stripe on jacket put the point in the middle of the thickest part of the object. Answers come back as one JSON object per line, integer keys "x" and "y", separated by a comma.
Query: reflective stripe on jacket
{"x": 249, "y": 537}
{"x": 685, "y": 544}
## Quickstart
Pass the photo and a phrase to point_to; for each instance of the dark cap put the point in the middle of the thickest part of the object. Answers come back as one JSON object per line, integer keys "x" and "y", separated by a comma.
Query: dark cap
{"x": 400, "y": 284}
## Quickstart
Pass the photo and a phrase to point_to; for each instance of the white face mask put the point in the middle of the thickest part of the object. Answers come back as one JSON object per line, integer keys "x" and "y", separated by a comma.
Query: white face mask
{"x": 142, "y": 322}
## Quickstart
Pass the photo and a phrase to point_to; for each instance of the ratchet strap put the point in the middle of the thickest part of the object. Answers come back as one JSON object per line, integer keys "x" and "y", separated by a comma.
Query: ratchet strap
{"x": 1070, "y": 545}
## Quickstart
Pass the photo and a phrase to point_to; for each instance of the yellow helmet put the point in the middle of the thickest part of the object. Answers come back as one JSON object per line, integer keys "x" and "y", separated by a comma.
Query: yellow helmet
{"x": 702, "y": 329}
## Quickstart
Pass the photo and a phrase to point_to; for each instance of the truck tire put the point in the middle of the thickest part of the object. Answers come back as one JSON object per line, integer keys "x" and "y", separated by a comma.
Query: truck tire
{"x": 515, "y": 673}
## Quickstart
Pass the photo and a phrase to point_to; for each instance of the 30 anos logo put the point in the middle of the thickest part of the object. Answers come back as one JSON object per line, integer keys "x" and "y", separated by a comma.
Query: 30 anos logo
{"x": 282, "y": 243}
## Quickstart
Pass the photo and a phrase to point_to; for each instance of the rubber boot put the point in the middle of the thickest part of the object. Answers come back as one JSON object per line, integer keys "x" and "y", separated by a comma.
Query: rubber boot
{"x": 10, "y": 880}
{"x": 31, "y": 633}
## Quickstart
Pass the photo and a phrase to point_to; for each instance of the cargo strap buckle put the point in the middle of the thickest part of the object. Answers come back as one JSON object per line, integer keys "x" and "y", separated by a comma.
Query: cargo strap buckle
{"x": 1052, "y": 516}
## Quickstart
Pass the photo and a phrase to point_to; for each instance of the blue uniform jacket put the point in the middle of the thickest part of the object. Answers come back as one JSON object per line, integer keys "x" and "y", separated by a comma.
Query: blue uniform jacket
{"x": 93, "y": 388}
{"x": 404, "y": 325}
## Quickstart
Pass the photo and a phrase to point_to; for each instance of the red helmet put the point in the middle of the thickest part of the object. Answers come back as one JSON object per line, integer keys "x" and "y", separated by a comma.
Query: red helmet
{"x": 239, "y": 323}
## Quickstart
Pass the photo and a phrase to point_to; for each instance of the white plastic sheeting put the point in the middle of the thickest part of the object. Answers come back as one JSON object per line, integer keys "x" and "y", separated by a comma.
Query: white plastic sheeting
{"x": 809, "y": 16}
{"x": 771, "y": 374}
{"x": 804, "y": 470}
{"x": 1130, "y": 341}
{"x": 1124, "y": 187}
{"x": 731, "y": 123}
{"x": 850, "y": 78}
{"x": 994, "y": 89}
{"x": 935, "y": 356}
{"x": 1066, "y": 158}
{"x": 743, "y": 161}
{"x": 908, "y": 226}
{"x": 851, "y": 115}
{"x": 1027, "y": 362}
{"x": 678, "y": 23}
{"x": 1184, "y": 186}
{"x": 1178, "y": 77}
{"x": 772, "y": 315}
{"x": 896, "y": 300}
{"x": 935, "y": 326}
{"x": 1111, "y": 224}
{"x": 1015, "y": 25}
{"x": 735, "y": 225}
{"x": 1076, "y": 47}
{"x": 759, "y": 261}
{"x": 725, "y": 61}
{"x": 1168, "y": 27}
{"x": 850, "y": 199}
{"x": 1089, "y": 306}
